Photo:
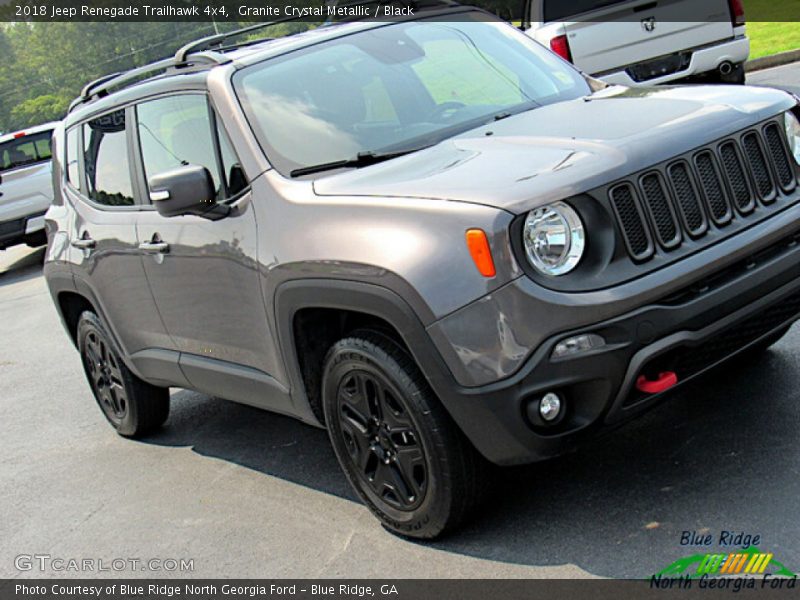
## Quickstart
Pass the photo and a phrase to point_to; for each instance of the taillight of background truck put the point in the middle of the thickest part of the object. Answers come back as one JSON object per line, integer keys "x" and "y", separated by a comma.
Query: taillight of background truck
{"x": 560, "y": 44}
{"x": 737, "y": 12}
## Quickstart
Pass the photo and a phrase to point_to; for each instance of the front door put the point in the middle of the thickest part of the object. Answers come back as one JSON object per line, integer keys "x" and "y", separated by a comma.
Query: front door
{"x": 203, "y": 274}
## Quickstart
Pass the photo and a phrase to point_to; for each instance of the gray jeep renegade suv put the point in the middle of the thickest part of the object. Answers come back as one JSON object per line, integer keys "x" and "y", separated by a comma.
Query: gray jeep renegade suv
{"x": 433, "y": 237}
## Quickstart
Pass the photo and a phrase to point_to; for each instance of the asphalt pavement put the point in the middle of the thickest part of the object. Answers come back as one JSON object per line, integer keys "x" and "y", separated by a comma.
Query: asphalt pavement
{"x": 786, "y": 78}
{"x": 244, "y": 493}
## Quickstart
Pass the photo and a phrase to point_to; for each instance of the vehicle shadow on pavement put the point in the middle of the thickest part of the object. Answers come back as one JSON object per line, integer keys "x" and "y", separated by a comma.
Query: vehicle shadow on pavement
{"x": 719, "y": 455}
{"x": 20, "y": 269}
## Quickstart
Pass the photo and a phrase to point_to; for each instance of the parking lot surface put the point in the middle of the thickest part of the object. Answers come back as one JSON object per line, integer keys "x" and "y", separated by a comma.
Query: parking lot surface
{"x": 244, "y": 493}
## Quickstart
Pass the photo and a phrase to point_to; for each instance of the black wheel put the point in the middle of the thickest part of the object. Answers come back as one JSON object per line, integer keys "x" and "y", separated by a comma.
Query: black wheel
{"x": 400, "y": 450}
{"x": 132, "y": 406}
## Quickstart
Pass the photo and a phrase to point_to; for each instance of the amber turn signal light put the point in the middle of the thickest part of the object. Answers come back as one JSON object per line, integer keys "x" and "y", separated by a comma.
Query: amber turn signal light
{"x": 478, "y": 245}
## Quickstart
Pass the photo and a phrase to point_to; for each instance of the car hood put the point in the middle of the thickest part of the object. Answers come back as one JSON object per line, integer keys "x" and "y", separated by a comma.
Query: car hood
{"x": 563, "y": 149}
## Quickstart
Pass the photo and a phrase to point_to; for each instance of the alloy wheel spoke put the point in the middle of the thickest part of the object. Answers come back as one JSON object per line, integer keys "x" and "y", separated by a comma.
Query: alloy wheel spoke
{"x": 114, "y": 370}
{"x": 356, "y": 438}
{"x": 403, "y": 489}
{"x": 353, "y": 404}
{"x": 117, "y": 393}
{"x": 381, "y": 439}
{"x": 372, "y": 397}
{"x": 107, "y": 398}
{"x": 393, "y": 413}
{"x": 410, "y": 463}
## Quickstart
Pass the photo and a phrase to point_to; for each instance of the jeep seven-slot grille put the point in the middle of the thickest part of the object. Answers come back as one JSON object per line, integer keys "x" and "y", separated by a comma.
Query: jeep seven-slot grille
{"x": 632, "y": 221}
{"x": 759, "y": 166}
{"x": 660, "y": 209}
{"x": 780, "y": 156}
{"x": 693, "y": 194}
{"x": 737, "y": 178}
{"x": 687, "y": 198}
{"x": 713, "y": 187}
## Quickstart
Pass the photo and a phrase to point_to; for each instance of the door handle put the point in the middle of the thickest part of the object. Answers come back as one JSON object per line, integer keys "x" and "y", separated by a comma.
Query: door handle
{"x": 85, "y": 243}
{"x": 154, "y": 247}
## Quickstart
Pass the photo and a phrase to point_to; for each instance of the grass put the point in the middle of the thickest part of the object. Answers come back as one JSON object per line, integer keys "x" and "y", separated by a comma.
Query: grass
{"x": 770, "y": 28}
{"x": 770, "y": 38}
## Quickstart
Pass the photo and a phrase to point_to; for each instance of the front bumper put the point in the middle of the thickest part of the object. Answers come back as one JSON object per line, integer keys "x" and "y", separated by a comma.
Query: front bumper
{"x": 703, "y": 60}
{"x": 688, "y": 331}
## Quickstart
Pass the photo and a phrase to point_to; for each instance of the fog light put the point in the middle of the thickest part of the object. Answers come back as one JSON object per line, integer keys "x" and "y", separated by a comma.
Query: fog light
{"x": 578, "y": 345}
{"x": 550, "y": 407}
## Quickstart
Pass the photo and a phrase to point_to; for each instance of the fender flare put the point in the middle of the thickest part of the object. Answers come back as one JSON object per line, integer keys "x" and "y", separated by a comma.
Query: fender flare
{"x": 375, "y": 300}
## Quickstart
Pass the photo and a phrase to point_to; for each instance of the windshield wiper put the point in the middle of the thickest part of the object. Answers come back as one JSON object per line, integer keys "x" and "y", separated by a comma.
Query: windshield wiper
{"x": 362, "y": 159}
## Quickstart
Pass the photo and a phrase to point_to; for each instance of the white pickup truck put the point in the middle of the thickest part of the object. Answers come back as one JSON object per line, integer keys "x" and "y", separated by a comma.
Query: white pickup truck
{"x": 26, "y": 185}
{"x": 644, "y": 42}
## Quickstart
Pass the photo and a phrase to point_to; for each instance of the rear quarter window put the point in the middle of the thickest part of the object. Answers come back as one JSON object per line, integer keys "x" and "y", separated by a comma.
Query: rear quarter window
{"x": 105, "y": 159}
{"x": 27, "y": 150}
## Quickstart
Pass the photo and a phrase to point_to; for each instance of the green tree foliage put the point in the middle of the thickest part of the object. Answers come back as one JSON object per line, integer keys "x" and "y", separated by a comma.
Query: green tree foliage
{"x": 44, "y": 65}
{"x": 39, "y": 109}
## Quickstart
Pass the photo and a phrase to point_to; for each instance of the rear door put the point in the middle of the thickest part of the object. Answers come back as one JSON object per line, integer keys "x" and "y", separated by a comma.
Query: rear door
{"x": 104, "y": 248}
{"x": 608, "y": 35}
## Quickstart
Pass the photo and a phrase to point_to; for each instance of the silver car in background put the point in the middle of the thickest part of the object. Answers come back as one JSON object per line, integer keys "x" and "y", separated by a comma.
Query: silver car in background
{"x": 26, "y": 186}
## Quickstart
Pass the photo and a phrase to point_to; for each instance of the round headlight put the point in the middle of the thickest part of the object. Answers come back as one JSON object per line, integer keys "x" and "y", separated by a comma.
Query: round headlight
{"x": 793, "y": 134}
{"x": 554, "y": 239}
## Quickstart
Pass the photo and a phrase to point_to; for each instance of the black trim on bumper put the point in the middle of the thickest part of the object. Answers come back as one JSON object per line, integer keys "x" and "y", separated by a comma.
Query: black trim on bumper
{"x": 758, "y": 296}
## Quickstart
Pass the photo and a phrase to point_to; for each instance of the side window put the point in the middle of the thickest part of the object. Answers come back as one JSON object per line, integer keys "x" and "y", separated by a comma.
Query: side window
{"x": 25, "y": 150}
{"x": 43, "y": 147}
{"x": 175, "y": 132}
{"x": 235, "y": 177}
{"x": 105, "y": 157}
{"x": 73, "y": 173}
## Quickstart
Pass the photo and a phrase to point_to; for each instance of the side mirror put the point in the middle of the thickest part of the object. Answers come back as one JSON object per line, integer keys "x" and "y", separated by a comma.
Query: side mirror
{"x": 187, "y": 190}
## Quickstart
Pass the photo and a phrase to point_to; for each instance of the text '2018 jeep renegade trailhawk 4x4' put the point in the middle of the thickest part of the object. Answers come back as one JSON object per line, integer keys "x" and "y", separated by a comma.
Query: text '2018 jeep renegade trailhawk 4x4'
{"x": 432, "y": 236}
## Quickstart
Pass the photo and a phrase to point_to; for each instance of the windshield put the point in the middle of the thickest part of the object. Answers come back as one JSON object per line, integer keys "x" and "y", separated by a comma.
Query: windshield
{"x": 25, "y": 150}
{"x": 397, "y": 87}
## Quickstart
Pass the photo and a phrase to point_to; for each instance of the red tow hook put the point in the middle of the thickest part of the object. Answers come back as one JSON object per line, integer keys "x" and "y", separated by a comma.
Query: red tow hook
{"x": 665, "y": 380}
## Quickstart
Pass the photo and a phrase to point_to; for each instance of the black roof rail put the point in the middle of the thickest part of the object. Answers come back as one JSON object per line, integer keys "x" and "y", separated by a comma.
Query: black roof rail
{"x": 215, "y": 41}
{"x": 199, "y": 53}
{"x": 101, "y": 86}
{"x": 87, "y": 89}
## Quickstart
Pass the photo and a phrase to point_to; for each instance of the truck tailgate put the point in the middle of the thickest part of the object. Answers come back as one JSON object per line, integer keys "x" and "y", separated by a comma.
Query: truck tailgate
{"x": 629, "y": 33}
{"x": 25, "y": 191}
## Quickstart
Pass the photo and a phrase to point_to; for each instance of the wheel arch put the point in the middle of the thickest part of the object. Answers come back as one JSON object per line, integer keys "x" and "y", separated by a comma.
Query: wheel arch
{"x": 71, "y": 306}
{"x": 311, "y": 315}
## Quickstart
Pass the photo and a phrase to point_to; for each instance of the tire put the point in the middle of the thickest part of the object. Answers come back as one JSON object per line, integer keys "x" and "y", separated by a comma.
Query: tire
{"x": 132, "y": 406}
{"x": 736, "y": 77}
{"x": 398, "y": 447}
